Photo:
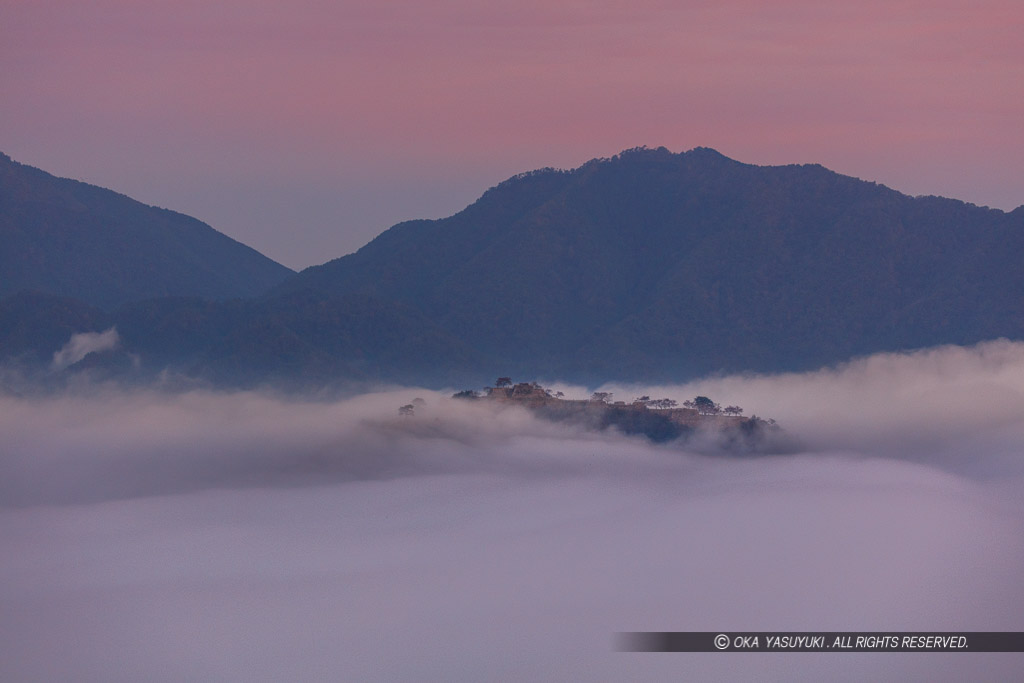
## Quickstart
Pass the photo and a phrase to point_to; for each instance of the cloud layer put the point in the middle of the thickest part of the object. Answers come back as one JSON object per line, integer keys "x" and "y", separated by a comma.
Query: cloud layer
{"x": 248, "y": 537}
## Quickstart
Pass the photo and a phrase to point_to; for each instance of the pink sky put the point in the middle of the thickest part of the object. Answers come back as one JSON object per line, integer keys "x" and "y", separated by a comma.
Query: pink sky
{"x": 306, "y": 127}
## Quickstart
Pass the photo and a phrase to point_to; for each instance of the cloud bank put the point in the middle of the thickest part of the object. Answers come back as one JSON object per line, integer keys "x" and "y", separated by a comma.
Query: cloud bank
{"x": 247, "y": 537}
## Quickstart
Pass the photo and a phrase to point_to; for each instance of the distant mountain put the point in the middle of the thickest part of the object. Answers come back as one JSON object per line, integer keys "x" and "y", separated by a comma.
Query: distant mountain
{"x": 33, "y": 326}
{"x": 649, "y": 266}
{"x": 654, "y": 265}
{"x": 294, "y": 340}
{"x": 67, "y": 238}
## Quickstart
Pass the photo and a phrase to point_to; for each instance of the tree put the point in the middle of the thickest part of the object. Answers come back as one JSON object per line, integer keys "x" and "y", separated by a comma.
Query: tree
{"x": 732, "y": 410}
{"x": 663, "y": 403}
{"x": 503, "y": 382}
{"x": 559, "y": 394}
{"x": 644, "y": 400}
{"x": 408, "y": 410}
{"x": 705, "y": 406}
{"x": 602, "y": 396}
{"x": 468, "y": 393}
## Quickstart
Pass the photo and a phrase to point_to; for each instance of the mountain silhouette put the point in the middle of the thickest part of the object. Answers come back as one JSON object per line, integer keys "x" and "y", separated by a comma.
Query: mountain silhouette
{"x": 68, "y": 238}
{"x": 654, "y": 265}
{"x": 647, "y": 266}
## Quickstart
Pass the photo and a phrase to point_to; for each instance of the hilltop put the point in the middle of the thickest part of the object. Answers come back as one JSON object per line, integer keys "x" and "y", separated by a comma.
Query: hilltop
{"x": 660, "y": 420}
{"x": 67, "y": 238}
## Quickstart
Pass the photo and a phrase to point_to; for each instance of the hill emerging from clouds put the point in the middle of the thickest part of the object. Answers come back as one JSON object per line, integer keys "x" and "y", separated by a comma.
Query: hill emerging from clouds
{"x": 68, "y": 238}
{"x": 654, "y": 265}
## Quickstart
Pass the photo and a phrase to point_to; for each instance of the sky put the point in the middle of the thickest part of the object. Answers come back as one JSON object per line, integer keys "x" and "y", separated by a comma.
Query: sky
{"x": 306, "y": 127}
{"x": 248, "y": 537}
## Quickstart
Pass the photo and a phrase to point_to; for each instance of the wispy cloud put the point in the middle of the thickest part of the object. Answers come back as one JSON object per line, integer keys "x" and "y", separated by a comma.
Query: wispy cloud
{"x": 82, "y": 344}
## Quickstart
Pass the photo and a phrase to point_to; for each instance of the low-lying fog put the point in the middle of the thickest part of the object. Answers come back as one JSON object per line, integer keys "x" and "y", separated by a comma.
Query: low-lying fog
{"x": 240, "y": 537}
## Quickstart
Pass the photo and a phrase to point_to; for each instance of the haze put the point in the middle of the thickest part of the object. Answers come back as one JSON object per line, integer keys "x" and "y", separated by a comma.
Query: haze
{"x": 246, "y": 536}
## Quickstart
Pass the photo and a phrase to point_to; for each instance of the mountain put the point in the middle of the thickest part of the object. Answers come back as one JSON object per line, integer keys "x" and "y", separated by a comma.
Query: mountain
{"x": 648, "y": 266}
{"x": 654, "y": 265}
{"x": 68, "y": 238}
{"x": 294, "y": 340}
{"x": 33, "y": 325}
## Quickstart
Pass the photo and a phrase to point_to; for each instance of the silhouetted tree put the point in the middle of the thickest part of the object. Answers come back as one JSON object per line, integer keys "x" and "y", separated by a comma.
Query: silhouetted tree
{"x": 408, "y": 410}
{"x": 732, "y": 410}
{"x": 503, "y": 382}
{"x": 705, "y": 406}
{"x": 468, "y": 393}
{"x": 602, "y": 396}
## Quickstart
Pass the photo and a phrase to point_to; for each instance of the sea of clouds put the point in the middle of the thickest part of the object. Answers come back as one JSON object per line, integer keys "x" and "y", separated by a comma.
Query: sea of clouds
{"x": 249, "y": 536}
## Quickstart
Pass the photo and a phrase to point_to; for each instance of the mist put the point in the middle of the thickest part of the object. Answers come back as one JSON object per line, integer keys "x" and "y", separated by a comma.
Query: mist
{"x": 82, "y": 344}
{"x": 248, "y": 536}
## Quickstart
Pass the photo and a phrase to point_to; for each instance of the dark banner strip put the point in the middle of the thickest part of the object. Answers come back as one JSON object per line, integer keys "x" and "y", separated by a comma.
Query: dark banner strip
{"x": 820, "y": 641}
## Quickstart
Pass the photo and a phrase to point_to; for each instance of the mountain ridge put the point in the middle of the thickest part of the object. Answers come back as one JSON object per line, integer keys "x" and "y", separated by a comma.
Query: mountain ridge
{"x": 70, "y": 238}
{"x": 649, "y": 265}
{"x": 638, "y": 253}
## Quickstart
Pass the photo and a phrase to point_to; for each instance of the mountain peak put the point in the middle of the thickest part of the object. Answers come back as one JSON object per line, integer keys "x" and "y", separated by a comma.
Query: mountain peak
{"x": 653, "y": 263}
{"x": 706, "y": 153}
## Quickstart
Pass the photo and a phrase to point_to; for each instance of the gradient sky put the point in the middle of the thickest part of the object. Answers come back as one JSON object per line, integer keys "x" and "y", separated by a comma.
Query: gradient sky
{"x": 306, "y": 127}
